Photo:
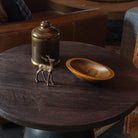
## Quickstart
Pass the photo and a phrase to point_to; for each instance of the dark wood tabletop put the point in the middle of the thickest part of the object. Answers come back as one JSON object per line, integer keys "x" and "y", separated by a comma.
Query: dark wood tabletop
{"x": 72, "y": 104}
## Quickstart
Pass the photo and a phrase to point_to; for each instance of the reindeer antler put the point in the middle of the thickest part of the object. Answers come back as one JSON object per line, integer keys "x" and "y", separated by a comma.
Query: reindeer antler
{"x": 45, "y": 59}
{"x": 48, "y": 56}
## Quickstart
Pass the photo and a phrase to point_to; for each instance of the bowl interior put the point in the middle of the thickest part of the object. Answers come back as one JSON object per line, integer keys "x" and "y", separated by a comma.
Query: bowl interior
{"x": 92, "y": 69}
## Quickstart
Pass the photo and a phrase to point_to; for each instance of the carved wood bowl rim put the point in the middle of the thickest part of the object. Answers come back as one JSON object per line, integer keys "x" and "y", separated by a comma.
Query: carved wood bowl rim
{"x": 84, "y": 76}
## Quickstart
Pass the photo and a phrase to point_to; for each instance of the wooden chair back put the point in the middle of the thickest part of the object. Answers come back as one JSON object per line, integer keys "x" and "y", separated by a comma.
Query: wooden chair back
{"x": 82, "y": 26}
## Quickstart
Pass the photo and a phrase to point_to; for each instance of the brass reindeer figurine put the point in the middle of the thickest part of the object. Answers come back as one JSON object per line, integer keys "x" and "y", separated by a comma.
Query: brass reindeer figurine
{"x": 46, "y": 68}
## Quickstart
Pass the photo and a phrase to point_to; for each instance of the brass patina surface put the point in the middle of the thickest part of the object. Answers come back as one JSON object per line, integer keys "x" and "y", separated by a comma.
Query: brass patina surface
{"x": 45, "y": 41}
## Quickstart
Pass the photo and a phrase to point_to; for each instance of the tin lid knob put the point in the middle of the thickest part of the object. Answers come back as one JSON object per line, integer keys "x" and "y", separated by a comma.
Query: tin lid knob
{"x": 45, "y": 24}
{"x": 45, "y": 31}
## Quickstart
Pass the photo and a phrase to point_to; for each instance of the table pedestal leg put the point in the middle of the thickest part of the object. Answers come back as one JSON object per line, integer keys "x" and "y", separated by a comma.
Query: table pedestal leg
{"x": 35, "y": 133}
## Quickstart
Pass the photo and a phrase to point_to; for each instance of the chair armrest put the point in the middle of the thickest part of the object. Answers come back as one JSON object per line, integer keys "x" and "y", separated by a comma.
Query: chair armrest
{"x": 85, "y": 26}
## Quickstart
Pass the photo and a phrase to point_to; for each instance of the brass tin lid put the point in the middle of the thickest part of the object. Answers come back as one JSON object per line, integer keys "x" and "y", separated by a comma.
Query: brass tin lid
{"x": 45, "y": 31}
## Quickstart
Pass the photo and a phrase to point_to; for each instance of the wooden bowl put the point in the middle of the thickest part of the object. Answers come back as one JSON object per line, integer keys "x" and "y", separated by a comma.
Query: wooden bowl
{"x": 89, "y": 70}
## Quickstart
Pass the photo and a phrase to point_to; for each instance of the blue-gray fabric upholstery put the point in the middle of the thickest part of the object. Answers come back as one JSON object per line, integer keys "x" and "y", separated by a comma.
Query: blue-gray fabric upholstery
{"x": 130, "y": 29}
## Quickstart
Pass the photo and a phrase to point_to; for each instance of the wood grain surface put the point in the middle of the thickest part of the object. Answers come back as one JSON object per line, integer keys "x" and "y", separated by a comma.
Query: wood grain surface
{"x": 115, "y": 11}
{"x": 72, "y": 104}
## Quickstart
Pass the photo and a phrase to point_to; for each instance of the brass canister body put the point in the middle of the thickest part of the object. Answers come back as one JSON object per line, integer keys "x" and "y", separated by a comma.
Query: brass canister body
{"x": 45, "y": 41}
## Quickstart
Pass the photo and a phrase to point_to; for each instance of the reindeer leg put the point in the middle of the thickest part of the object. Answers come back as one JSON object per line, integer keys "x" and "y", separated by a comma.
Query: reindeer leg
{"x": 51, "y": 79}
{"x": 44, "y": 77}
{"x": 48, "y": 78}
{"x": 36, "y": 79}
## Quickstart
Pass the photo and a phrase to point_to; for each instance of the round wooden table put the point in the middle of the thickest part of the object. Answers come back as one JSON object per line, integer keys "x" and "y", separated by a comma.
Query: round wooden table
{"x": 72, "y": 107}
{"x": 115, "y": 10}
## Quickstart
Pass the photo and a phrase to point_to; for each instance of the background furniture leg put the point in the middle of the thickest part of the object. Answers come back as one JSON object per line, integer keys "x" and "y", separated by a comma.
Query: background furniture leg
{"x": 131, "y": 124}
